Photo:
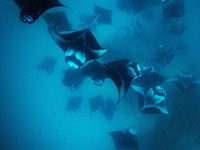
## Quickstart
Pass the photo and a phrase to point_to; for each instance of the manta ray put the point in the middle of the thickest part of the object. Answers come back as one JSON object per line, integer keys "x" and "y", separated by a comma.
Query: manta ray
{"x": 73, "y": 103}
{"x": 135, "y": 6}
{"x": 185, "y": 81}
{"x": 79, "y": 47}
{"x": 151, "y": 100}
{"x": 164, "y": 54}
{"x": 48, "y": 65}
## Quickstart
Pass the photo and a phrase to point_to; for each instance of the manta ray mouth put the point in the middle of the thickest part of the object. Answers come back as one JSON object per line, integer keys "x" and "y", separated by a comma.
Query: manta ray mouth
{"x": 132, "y": 131}
{"x": 27, "y": 19}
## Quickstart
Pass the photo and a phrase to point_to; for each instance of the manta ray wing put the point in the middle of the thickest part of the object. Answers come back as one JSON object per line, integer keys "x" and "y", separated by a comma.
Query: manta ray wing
{"x": 141, "y": 95}
{"x": 105, "y": 15}
{"x": 57, "y": 21}
{"x": 122, "y": 72}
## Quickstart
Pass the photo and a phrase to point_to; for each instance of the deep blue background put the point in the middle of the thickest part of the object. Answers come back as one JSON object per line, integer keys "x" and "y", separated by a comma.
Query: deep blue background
{"x": 32, "y": 103}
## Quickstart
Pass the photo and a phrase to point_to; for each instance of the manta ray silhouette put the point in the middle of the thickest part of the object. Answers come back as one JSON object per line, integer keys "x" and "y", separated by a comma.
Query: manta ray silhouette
{"x": 164, "y": 54}
{"x": 125, "y": 139}
{"x": 135, "y": 6}
{"x": 73, "y": 78}
{"x": 96, "y": 103}
{"x": 48, "y": 64}
{"x": 185, "y": 81}
{"x": 73, "y": 103}
{"x": 108, "y": 109}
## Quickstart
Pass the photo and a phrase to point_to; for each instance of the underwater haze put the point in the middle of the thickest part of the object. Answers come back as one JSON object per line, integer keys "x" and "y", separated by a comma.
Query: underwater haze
{"x": 33, "y": 97}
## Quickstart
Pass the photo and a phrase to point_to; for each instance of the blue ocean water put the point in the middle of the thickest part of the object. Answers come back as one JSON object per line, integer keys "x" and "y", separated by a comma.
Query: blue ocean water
{"x": 32, "y": 102}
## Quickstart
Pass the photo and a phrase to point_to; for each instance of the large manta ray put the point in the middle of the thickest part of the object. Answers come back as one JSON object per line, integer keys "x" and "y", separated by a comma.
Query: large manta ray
{"x": 185, "y": 81}
{"x": 149, "y": 78}
{"x": 164, "y": 54}
{"x": 151, "y": 100}
{"x": 79, "y": 47}
{"x": 121, "y": 72}
{"x": 57, "y": 21}
{"x": 31, "y": 10}
{"x": 125, "y": 139}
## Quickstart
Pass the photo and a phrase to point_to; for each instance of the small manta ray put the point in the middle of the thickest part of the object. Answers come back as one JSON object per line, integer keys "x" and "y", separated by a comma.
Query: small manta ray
{"x": 121, "y": 72}
{"x": 79, "y": 47}
{"x": 151, "y": 100}
{"x": 73, "y": 78}
{"x": 149, "y": 78}
{"x": 48, "y": 65}
{"x": 174, "y": 9}
{"x": 57, "y": 21}
{"x": 177, "y": 28}
{"x": 185, "y": 81}
{"x": 125, "y": 139}
{"x": 135, "y": 6}
{"x": 134, "y": 29}
{"x": 164, "y": 54}
{"x": 74, "y": 103}
{"x": 31, "y": 10}
{"x": 105, "y": 15}
{"x": 108, "y": 109}
{"x": 96, "y": 103}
